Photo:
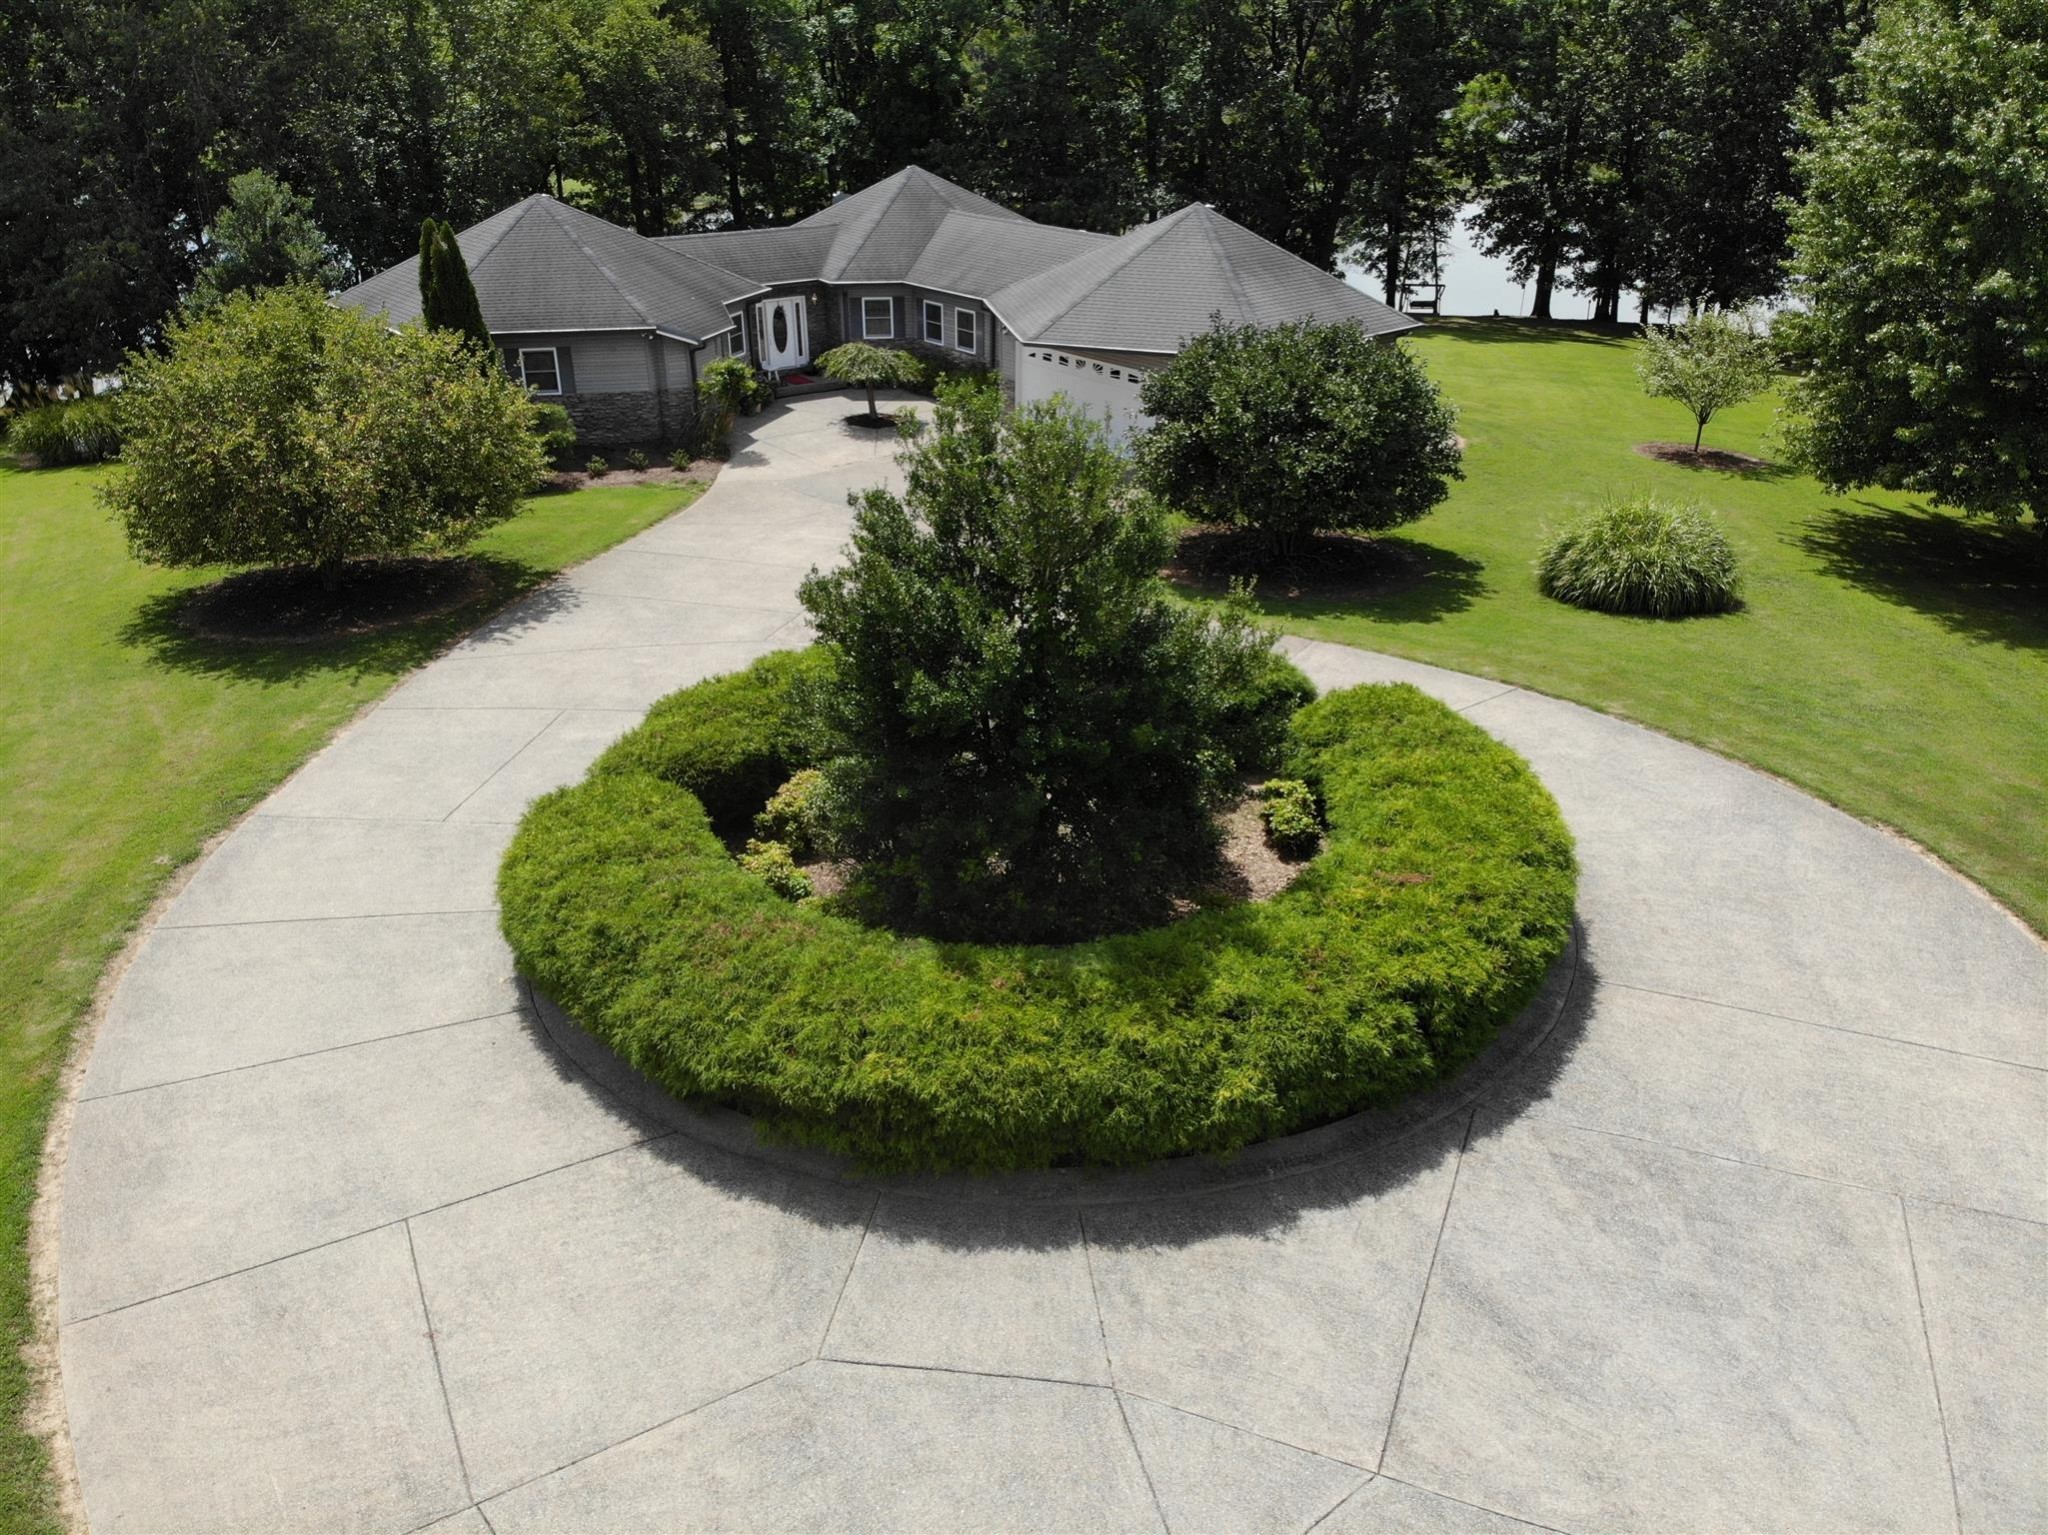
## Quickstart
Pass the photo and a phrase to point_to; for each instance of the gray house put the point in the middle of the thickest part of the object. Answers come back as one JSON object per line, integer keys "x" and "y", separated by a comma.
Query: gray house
{"x": 617, "y": 326}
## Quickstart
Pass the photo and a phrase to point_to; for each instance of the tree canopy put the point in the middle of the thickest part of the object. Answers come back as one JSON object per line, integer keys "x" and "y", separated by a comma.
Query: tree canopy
{"x": 1296, "y": 430}
{"x": 1707, "y": 363}
{"x": 263, "y": 237}
{"x": 1920, "y": 255}
{"x": 278, "y": 429}
{"x": 870, "y": 367}
{"x": 1607, "y": 142}
{"x": 1026, "y": 735}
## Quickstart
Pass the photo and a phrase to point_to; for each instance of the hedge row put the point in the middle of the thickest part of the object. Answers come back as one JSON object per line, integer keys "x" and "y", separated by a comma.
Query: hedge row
{"x": 1443, "y": 895}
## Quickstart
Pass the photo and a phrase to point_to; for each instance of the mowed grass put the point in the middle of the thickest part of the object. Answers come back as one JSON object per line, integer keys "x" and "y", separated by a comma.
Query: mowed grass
{"x": 1890, "y": 657}
{"x": 124, "y": 745}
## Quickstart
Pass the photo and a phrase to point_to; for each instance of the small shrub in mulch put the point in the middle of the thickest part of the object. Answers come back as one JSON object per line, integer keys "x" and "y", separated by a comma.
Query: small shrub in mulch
{"x": 287, "y": 605}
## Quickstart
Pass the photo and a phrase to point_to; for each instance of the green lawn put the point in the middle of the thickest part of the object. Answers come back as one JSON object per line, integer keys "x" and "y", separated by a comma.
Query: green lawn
{"x": 123, "y": 747}
{"x": 1891, "y": 658}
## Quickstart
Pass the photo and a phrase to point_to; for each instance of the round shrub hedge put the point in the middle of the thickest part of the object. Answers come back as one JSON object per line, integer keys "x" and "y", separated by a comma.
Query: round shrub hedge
{"x": 1443, "y": 895}
{"x": 1640, "y": 555}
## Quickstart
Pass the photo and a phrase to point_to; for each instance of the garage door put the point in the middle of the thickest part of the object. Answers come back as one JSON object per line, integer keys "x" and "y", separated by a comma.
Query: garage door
{"x": 1107, "y": 391}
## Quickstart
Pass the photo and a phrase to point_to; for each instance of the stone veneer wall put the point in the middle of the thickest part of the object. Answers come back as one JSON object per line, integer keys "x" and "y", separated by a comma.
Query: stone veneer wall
{"x": 628, "y": 416}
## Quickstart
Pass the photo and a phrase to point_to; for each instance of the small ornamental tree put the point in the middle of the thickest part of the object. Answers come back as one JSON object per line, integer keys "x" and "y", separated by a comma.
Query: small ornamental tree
{"x": 1026, "y": 737}
{"x": 1296, "y": 430}
{"x": 1706, "y": 363}
{"x": 448, "y": 298}
{"x": 1920, "y": 263}
{"x": 263, "y": 237}
{"x": 279, "y": 430}
{"x": 871, "y": 368}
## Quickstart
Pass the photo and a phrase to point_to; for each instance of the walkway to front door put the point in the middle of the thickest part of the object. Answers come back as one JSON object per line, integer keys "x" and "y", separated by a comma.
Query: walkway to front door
{"x": 784, "y": 333}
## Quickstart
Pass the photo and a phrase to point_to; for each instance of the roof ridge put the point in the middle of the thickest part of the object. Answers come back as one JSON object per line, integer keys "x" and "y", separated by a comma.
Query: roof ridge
{"x": 1158, "y": 228}
{"x": 902, "y": 180}
{"x": 498, "y": 239}
{"x": 1223, "y": 259}
{"x": 1010, "y": 218}
{"x": 595, "y": 260}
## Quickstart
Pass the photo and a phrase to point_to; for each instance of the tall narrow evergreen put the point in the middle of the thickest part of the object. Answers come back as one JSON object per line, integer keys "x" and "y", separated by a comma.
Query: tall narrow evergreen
{"x": 448, "y": 298}
{"x": 430, "y": 287}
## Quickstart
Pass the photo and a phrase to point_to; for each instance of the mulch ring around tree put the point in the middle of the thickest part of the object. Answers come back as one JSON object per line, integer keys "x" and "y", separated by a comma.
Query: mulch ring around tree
{"x": 291, "y": 605}
{"x": 881, "y": 421}
{"x": 1338, "y": 566}
{"x": 1686, "y": 456}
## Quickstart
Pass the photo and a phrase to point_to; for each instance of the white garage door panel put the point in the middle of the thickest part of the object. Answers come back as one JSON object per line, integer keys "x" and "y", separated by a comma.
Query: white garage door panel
{"x": 1106, "y": 391}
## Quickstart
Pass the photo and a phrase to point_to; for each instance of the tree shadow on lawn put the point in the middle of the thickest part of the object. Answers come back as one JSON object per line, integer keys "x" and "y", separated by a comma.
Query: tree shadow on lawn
{"x": 165, "y": 626}
{"x": 1498, "y": 328}
{"x": 1386, "y": 580}
{"x": 1976, "y": 578}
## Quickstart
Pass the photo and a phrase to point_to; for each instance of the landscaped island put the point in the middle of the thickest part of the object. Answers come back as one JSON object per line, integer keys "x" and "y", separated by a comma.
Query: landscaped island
{"x": 1021, "y": 749}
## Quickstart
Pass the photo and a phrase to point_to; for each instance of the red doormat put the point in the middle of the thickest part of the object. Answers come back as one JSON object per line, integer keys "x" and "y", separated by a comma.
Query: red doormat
{"x": 798, "y": 378}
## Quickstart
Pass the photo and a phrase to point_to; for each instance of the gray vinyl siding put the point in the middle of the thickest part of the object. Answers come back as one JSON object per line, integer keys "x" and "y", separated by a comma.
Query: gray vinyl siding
{"x": 601, "y": 362}
{"x": 1006, "y": 356}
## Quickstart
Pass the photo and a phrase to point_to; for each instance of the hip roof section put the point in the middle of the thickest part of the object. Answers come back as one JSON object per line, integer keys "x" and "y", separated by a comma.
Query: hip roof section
{"x": 543, "y": 266}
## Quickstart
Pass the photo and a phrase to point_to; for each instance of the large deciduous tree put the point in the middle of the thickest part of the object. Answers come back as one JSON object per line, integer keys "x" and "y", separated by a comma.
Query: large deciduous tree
{"x": 1297, "y": 430}
{"x": 281, "y": 430}
{"x": 1920, "y": 256}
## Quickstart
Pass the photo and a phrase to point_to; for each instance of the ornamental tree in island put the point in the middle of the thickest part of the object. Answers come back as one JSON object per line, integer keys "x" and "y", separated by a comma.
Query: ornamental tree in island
{"x": 1026, "y": 736}
{"x": 871, "y": 368}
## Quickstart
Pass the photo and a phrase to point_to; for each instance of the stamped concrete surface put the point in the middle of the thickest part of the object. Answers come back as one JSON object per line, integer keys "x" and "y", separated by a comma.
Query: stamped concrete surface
{"x": 1749, "y": 1232}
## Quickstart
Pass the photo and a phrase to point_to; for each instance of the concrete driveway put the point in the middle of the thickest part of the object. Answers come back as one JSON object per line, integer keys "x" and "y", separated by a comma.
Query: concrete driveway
{"x": 1741, "y": 1229}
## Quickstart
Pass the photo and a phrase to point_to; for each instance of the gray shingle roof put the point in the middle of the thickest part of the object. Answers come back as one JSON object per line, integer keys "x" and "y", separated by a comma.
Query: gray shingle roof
{"x": 542, "y": 265}
{"x": 1151, "y": 289}
{"x": 792, "y": 253}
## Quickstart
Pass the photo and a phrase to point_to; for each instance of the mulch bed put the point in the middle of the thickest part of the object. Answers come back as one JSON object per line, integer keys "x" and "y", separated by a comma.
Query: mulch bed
{"x": 881, "y": 422}
{"x": 1686, "y": 456}
{"x": 653, "y": 474}
{"x": 1338, "y": 566}
{"x": 291, "y": 606}
{"x": 1249, "y": 867}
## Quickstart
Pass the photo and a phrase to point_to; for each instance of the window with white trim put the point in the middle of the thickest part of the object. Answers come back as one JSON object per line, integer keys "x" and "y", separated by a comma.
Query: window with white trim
{"x": 539, "y": 371}
{"x": 965, "y": 336}
{"x": 877, "y": 319}
{"x": 934, "y": 322}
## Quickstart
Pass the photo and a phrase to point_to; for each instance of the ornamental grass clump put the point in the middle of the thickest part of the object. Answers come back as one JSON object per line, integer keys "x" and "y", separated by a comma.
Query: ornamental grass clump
{"x": 1640, "y": 555}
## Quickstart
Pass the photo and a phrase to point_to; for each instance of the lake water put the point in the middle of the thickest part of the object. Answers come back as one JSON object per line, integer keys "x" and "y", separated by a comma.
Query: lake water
{"x": 1479, "y": 284}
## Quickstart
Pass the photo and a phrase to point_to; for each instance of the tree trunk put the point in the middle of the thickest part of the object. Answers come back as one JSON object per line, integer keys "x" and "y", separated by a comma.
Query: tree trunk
{"x": 330, "y": 575}
{"x": 873, "y": 413}
{"x": 1698, "y": 432}
{"x": 1546, "y": 283}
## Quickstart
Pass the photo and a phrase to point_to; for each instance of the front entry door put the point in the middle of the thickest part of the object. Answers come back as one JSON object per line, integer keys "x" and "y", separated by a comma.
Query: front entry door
{"x": 785, "y": 338}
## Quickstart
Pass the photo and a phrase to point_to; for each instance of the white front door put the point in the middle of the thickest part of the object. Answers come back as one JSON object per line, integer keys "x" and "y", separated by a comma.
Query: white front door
{"x": 784, "y": 336}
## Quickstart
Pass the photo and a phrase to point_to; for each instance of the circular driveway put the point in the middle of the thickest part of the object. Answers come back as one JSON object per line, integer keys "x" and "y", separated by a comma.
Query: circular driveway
{"x": 1743, "y": 1230}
